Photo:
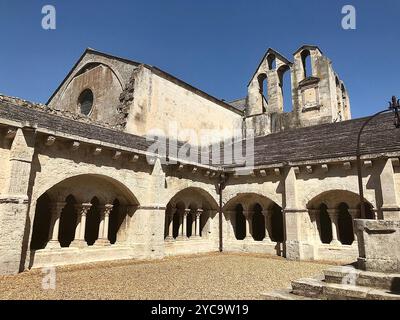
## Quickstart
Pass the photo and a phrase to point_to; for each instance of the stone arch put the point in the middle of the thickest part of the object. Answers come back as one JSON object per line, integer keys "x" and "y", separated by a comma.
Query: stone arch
{"x": 332, "y": 198}
{"x": 335, "y": 211}
{"x": 271, "y": 61}
{"x": 263, "y": 88}
{"x": 258, "y": 223}
{"x": 90, "y": 64}
{"x": 285, "y": 86}
{"x": 325, "y": 224}
{"x": 66, "y": 200}
{"x": 187, "y": 213}
{"x": 306, "y": 63}
{"x": 251, "y": 197}
{"x": 241, "y": 207}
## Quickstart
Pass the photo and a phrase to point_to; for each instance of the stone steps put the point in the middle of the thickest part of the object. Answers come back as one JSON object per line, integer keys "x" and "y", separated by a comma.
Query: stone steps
{"x": 350, "y": 275}
{"x": 284, "y": 294}
{"x": 318, "y": 289}
{"x": 342, "y": 283}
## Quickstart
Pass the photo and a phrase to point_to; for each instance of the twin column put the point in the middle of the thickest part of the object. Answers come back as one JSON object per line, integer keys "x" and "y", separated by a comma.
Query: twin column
{"x": 182, "y": 232}
{"x": 79, "y": 239}
{"x": 249, "y": 224}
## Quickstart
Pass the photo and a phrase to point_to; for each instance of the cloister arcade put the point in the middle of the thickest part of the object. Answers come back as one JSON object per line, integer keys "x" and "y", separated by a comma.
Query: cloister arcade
{"x": 95, "y": 211}
{"x": 332, "y": 214}
{"x": 86, "y": 210}
{"x": 188, "y": 215}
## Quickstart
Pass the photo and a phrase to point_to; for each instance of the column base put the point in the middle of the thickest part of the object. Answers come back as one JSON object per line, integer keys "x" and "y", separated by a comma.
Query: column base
{"x": 182, "y": 238}
{"x": 53, "y": 244}
{"x": 169, "y": 239}
{"x": 248, "y": 238}
{"x": 78, "y": 244}
{"x": 335, "y": 243}
{"x": 102, "y": 242}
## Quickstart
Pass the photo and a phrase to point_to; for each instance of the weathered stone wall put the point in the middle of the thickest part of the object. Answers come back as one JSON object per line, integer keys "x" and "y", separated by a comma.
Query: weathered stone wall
{"x": 316, "y": 98}
{"x": 160, "y": 103}
{"x": 4, "y": 163}
{"x": 106, "y": 90}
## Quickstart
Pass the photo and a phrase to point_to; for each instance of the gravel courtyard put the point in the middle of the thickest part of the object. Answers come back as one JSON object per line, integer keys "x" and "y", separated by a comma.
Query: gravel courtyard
{"x": 211, "y": 276}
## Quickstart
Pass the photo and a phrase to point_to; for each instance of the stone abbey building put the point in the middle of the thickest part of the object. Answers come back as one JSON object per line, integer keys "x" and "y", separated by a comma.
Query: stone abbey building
{"x": 78, "y": 182}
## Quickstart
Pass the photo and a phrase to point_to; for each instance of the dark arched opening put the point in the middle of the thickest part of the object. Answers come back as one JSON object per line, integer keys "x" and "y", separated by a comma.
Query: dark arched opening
{"x": 263, "y": 87}
{"x": 325, "y": 224}
{"x": 41, "y": 224}
{"x": 277, "y": 226}
{"x": 176, "y": 223}
{"x": 306, "y": 60}
{"x": 68, "y": 222}
{"x": 258, "y": 224}
{"x": 116, "y": 220}
{"x": 285, "y": 84}
{"x": 271, "y": 59}
{"x": 240, "y": 225}
{"x": 93, "y": 222}
{"x": 345, "y": 225}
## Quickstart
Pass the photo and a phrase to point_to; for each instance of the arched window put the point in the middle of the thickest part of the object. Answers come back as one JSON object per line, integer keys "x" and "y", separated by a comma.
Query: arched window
{"x": 271, "y": 59}
{"x": 263, "y": 86}
{"x": 325, "y": 224}
{"x": 285, "y": 85}
{"x": 85, "y": 101}
{"x": 306, "y": 60}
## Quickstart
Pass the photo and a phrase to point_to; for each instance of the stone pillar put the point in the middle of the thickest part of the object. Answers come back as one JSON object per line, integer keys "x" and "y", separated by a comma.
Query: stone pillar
{"x": 14, "y": 202}
{"x": 103, "y": 227}
{"x": 355, "y": 214}
{"x": 82, "y": 211}
{"x": 184, "y": 227}
{"x": 267, "y": 217}
{"x": 249, "y": 225}
{"x": 229, "y": 233}
{"x": 193, "y": 235}
{"x": 334, "y": 216}
{"x": 390, "y": 207}
{"x": 56, "y": 209}
{"x": 199, "y": 212}
{"x": 170, "y": 225}
{"x": 180, "y": 229}
{"x": 183, "y": 224}
{"x": 314, "y": 213}
{"x": 297, "y": 222}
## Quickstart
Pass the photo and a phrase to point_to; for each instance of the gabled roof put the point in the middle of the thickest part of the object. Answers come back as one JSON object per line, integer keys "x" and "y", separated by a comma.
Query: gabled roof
{"x": 307, "y": 47}
{"x": 155, "y": 70}
{"x": 87, "y": 51}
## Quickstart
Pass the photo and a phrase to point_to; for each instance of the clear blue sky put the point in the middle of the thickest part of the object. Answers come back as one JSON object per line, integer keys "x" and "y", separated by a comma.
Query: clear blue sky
{"x": 214, "y": 45}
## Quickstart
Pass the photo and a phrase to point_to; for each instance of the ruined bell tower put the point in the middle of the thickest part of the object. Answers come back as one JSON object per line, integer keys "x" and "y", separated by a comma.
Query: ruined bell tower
{"x": 317, "y": 93}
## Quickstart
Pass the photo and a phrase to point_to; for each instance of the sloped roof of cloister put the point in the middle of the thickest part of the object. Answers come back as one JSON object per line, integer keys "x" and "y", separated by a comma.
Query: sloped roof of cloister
{"x": 325, "y": 141}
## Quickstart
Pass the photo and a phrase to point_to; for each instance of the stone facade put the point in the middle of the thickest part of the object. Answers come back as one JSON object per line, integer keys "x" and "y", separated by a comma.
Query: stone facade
{"x": 79, "y": 186}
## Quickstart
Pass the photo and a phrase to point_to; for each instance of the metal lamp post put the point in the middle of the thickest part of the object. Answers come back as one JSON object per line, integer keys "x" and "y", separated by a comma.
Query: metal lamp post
{"x": 394, "y": 106}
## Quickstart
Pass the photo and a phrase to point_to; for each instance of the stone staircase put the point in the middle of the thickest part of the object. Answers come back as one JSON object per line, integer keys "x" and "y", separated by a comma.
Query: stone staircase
{"x": 342, "y": 283}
